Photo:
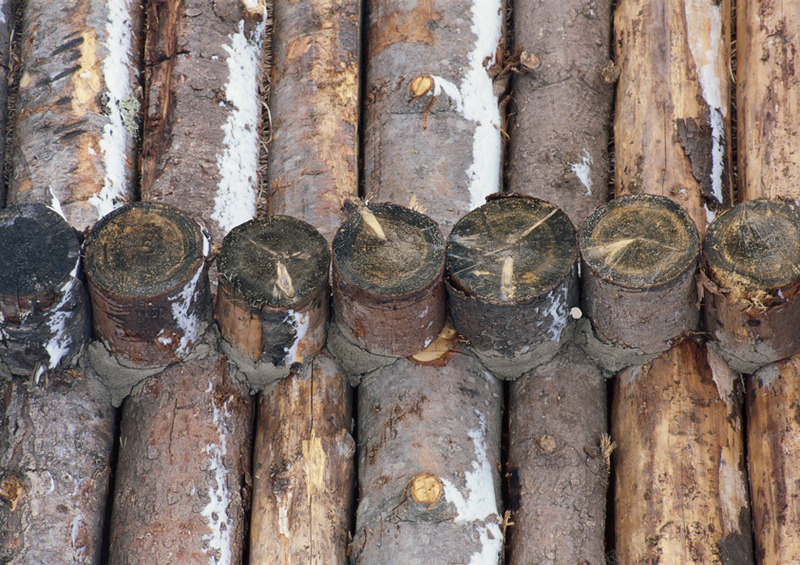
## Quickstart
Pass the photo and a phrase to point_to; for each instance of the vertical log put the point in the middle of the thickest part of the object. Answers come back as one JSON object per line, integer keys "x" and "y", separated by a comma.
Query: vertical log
{"x": 76, "y": 122}
{"x": 202, "y": 108}
{"x": 314, "y": 110}
{"x": 672, "y": 128}
{"x": 562, "y": 99}
{"x": 432, "y": 132}
{"x": 181, "y": 493}
{"x": 8, "y": 21}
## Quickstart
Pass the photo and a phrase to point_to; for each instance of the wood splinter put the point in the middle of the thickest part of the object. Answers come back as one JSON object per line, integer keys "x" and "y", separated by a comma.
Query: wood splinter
{"x": 512, "y": 282}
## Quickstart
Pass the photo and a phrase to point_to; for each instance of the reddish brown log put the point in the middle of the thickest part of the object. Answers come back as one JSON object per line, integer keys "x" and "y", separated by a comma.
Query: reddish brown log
{"x": 181, "y": 494}
{"x": 303, "y": 468}
{"x": 55, "y": 452}
{"x": 76, "y": 121}
{"x": 314, "y": 110}
{"x": 202, "y": 109}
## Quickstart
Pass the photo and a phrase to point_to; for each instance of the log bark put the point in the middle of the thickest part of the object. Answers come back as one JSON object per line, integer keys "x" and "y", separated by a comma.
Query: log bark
{"x": 680, "y": 487}
{"x": 562, "y": 99}
{"x": 388, "y": 288}
{"x": 272, "y": 301}
{"x": 751, "y": 306}
{"x": 146, "y": 266}
{"x": 44, "y": 308}
{"x": 767, "y": 99}
{"x": 8, "y": 21}
{"x": 55, "y": 456}
{"x": 314, "y": 109}
{"x": 639, "y": 261}
{"x": 772, "y": 443}
{"x": 202, "y": 108}
{"x": 432, "y": 132}
{"x": 303, "y": 468}
{"x": 512, "y": 281}
{"x": 558, "y": 462}
{"x": 181, "y": 493}
{"x": 672, "y": 126}
{"x": 76, "y": 121}
{"x": 429, "y": 447}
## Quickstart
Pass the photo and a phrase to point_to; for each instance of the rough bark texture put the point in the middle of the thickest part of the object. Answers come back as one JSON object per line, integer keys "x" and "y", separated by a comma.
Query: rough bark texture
{"x": 773, "y": 430}
{"x": 303, "y": 469}
{"x": 751, "y": 307}
{"x": 55, "y": 454}
{"x": 681, "y": 492}
{"x": 314, "y": 110}
{"x": 558, "y": 447}
{"x": 767, "y": 98}
{"x": 76, "y": 120}
{"x": 146, "y": 266}
{"x": 8, "y": 19}
{"x": 181, "y": 493}
{"x": 432, "y": 122}
{"x": 44, "y": 308}
{"x": 429, "y": 447}
{"x": 672, "y": 127}
{"x": 639, "y": 261}
{"x": 559, "y": 122}
{"x": 202, "y": 108}
{"x": 512, "y": 281}
{"x": 388, "y": 280}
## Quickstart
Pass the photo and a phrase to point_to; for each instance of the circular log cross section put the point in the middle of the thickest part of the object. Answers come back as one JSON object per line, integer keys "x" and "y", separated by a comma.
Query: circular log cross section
{"x": 639, "y": 260}
{"x": 44, "y": 312}
{"x": 146, "y": 266}
{"x": 752, "y": 255}
{"x": 512, "y": 281}
{"x": 272, "y": 302}
{"x": 388, "y": 292}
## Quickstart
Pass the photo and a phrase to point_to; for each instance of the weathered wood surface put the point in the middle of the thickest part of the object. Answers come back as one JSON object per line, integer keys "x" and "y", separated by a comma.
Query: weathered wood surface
{"x": 182, "y": 491}
{"x": 432, "y": 120}
{"x": 76, "y": 116}
{"x": 680, "y": 486}
{"x": 8, "y": 20}
{"x": 559, "y": 118}
{"x": 313, "y": 104}
{"x": 303, "y": 468}
{"x": 202, "y": 109}
{"x": 672, "y": 120}
{"x": 55, "y": 457}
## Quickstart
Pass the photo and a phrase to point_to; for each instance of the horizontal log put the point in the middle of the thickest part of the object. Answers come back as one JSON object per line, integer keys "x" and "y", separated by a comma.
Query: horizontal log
{"x": 44, "y": 308}
{"x": 752, "y": 257}
{"x": 388, "y": 292}
{"x": 512, "y": 282}
{"x": 639, "y": 257}
{"x": 272, "y": 299}
{"x": 146, "y": 266}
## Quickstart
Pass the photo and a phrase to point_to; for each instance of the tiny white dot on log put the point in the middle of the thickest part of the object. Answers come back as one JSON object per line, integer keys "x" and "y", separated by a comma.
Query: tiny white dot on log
{"x": 576, "y": 313}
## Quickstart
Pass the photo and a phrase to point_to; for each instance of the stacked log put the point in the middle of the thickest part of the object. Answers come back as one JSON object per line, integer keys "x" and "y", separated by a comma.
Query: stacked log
{"x": 8, "y": 21}
{"x": 76, "y": 119}
{"x": 57, "y": 420}
{"x": 768, "y": 122}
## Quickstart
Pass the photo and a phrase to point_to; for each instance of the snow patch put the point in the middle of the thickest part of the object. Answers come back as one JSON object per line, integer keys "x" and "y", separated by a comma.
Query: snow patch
{"x": 583, "y": 169}
{"x": 216, "y": 511}
{"x": 480, "y": 503}
{"x": 558, "y": 311}
{"x": 187, "y": 321}
{"x": 235, "y": 202}
{"x": 55, "y": 205}
{"x": 299, "y": 321}
{"x": 58, "y": 346}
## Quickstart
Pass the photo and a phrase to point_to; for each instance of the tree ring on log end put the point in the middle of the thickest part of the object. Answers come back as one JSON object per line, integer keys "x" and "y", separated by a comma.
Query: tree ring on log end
{"x": 388, "y": 266}
{"x": 426, "y": 489}
{"x": 639, "y": 259}
{"x": 752, "y": 259}
{"x": 512, "y": 281}
{"x": 272, "y": 303}
{"x": 146, "y": 265}
{"x": 44, "y": 317}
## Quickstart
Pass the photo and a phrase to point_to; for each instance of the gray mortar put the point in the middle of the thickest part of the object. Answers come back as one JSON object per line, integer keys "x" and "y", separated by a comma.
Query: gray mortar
{"x": 741, "y": 360}
{"x": 255, "y": 375}
{"x": 354, "y": 361}
{"x": 610, "y": 357}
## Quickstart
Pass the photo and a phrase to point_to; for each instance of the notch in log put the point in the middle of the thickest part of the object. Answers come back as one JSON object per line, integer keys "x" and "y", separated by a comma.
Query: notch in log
{"x": 752, "y": 258}
{"x": 272, "y": 302}
{"x": 44, "y": 310}
{"x": 639, "y": 256}
{"x": 512, "y": 281}
{"x": 146, "y": 266}
{"x": 388, "y": 292}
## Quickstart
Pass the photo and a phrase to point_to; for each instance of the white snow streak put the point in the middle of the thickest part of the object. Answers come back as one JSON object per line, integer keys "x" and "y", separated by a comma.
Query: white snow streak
{"x": 189, "y": 323}
{"x": 55, "y": 205}
{"x": 235, "y": 202}
{"x": 583, "y": 170}
{"x": 300, "y": 322}
{"x": 216, "y": 511}
{"x": 58, "y": 346}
